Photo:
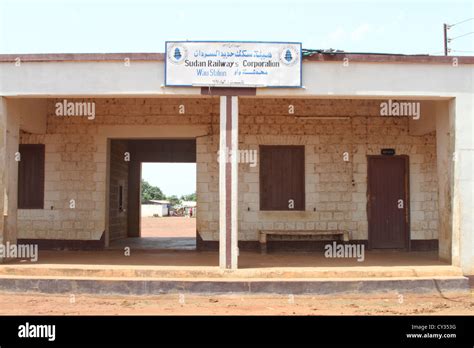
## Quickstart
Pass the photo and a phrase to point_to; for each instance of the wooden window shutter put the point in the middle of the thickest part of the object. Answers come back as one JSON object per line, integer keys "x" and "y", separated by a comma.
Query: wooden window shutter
{"x": 31, "y": 176}
{"x": 282, "y": 171}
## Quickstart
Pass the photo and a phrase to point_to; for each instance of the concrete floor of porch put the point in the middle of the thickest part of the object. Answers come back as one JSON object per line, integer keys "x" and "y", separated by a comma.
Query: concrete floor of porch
{"x": 147, "y": 272}
{"x": 190, "y": 264}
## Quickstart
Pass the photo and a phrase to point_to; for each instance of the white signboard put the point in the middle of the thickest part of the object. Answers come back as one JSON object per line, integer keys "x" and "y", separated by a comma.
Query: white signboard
{"x": 233, "y": 64}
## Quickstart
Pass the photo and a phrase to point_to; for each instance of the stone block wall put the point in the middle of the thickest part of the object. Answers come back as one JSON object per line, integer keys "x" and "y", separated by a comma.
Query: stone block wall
{"x": 76, "y": 163}
{"x": 335, "y": 190}
{"x": 76, "y": 160}
{"x": 118, "y": 180}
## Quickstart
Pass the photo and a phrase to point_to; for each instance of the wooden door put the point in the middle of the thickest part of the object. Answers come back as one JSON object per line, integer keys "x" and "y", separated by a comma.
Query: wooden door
{"x": 388, "y": 202}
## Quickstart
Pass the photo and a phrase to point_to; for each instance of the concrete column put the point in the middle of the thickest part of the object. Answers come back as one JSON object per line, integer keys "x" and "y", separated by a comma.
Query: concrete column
{"x": 3, "y": 168}
{"x": 462, "y": 109}
{"x": 228, "y": 179}
{"x": 445, "y": 167}
{"x": 9, "y": 140}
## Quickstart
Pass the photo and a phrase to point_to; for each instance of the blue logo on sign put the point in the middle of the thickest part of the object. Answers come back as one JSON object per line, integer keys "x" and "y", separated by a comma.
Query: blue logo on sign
{"x": 289, "y": 56}
{"x": 177, "y": 54}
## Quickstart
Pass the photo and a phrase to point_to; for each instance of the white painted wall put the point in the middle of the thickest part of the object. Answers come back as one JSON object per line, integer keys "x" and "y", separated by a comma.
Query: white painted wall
{"x": 319, "y": 79}
{"x": 149, "y": 210}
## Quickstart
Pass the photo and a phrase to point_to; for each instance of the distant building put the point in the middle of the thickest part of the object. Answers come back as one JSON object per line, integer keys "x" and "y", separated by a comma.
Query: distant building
{"x": 154, "y": 207}
{"x": 189, "y": 208}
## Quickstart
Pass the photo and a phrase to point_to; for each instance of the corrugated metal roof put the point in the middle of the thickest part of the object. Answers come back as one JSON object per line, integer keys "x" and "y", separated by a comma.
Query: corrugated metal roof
{"x": 308, "y": 52}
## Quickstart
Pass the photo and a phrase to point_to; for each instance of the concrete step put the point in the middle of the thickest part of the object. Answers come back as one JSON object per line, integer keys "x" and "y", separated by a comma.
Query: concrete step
{"x": 192, "y": 272}
{"x": 317, "y": 286}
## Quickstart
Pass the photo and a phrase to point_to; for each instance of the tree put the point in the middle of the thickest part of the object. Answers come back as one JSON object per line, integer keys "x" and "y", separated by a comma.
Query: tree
{"x": 150, "y": 192}
{"x": 174, "y": 200}
{"x": 190, "y": 197}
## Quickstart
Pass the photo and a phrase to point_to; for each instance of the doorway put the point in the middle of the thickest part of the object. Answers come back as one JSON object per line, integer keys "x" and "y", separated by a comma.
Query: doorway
{"x": 128, "y": 158}
{"x": 388, "y": 202}
{"x": 168, "y": 205}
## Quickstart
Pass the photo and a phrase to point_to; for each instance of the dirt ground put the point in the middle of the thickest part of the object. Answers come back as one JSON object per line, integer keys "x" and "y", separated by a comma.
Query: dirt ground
{"x": 184, "y": 304}
{"x": 172, "y": 226}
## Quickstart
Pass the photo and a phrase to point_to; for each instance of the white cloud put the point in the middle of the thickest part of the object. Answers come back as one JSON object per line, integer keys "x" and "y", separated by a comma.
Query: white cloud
{"x": 341, "y": 36}
{"x": 337, "y": 35}
{"x": 360, "y": 32}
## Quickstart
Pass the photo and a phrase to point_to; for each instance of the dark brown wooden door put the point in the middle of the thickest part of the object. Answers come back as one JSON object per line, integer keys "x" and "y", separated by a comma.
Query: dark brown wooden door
{"x": 388, "y": 202}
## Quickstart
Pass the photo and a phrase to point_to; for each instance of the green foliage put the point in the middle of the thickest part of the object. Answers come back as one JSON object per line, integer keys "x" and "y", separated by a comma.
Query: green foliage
{"x": 190, "y": 197}
{"x": 151, "y": 192}
{"x": 174, "y": 200}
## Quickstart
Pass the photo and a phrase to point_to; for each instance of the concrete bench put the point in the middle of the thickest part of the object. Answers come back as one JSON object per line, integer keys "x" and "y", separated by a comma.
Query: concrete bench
{"x": 341, "y": 234}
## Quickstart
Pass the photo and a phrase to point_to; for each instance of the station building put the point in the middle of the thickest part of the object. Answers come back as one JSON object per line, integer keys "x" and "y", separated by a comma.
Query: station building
{"x": 328, "y": 159}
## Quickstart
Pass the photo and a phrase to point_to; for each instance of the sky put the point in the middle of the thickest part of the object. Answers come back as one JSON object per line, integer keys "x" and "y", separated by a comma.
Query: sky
{"x": 103, "y": 26}
{"x": 72, "y": 26}
{"x": 172, "y": 178}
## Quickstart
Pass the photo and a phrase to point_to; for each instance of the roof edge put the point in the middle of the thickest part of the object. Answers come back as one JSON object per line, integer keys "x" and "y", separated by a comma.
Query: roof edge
{"x": 388, "y": 58}
{"x": 316, "y": 57}
{"x": 65, "y": 57}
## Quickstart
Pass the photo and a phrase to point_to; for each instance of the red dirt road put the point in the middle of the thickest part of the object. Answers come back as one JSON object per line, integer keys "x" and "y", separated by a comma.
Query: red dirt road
{"x": 234, "y": 304}
{"x": 172, "y": 226}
